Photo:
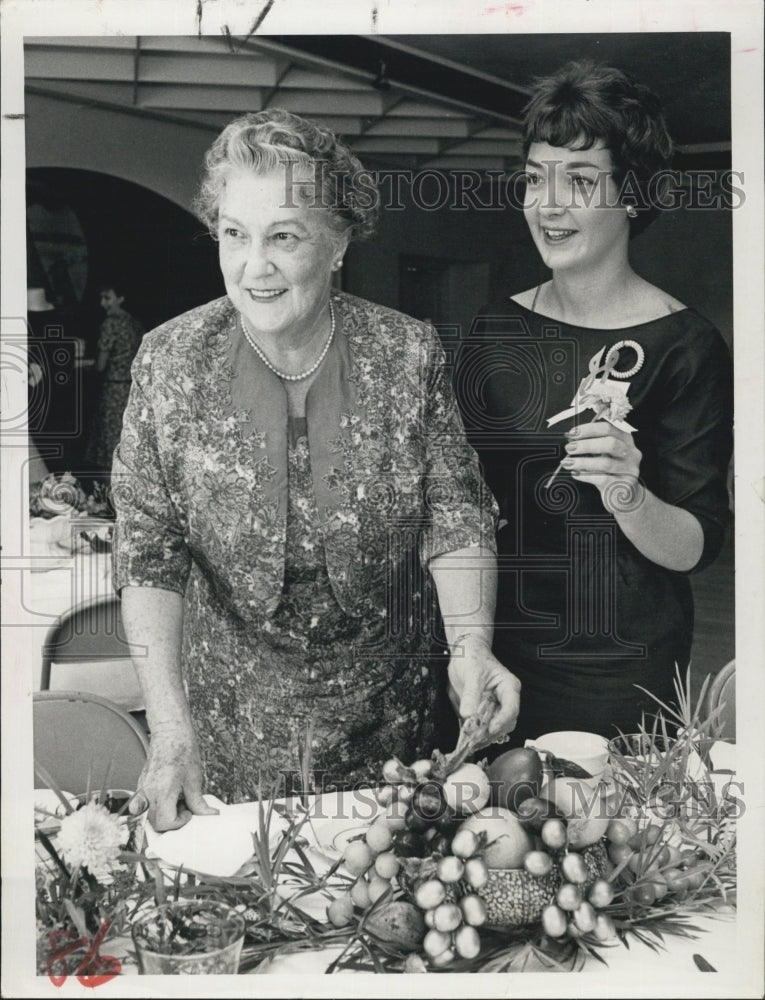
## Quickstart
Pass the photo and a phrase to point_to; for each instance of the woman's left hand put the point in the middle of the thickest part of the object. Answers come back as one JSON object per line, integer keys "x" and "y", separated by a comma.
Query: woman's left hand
{"x": 474, "y": 671}
{"x": 603, "y": 455}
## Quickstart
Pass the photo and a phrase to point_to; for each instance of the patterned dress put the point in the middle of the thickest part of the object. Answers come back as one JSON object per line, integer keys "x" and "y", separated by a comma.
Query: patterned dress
{"x": 308, "y": 612}
{"x": 120, "y": 336}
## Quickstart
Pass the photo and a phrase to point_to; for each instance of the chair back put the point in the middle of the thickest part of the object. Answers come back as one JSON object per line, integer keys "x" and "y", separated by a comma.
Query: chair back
{"x": 722, "y": 694}
{"x": 85, "y": 742}
{"x": 90, "y": 652}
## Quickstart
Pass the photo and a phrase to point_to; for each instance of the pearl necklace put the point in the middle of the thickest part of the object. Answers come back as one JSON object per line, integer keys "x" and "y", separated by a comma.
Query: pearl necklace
{"x": 283, "y": 375}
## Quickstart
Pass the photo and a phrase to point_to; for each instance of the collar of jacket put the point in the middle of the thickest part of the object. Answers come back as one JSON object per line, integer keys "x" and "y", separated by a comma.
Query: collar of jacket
{"x": 331, "y": 406}
{"x": 344, "y": 467}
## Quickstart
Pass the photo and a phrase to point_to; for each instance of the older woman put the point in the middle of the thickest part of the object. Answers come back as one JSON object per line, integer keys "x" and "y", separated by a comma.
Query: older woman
{"x": 290, "y": 455}
{"x": 625, "y": 384}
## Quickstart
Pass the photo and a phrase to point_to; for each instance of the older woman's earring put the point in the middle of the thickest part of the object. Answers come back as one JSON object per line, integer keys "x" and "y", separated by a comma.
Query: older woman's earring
{"x": 632, "y": 211}
{"x": 337, "y": 265}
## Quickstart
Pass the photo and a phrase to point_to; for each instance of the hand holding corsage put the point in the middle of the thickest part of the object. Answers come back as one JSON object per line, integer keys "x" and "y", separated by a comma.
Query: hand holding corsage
{"x": 602, "y": 454}
{"x": 603, "y": 451}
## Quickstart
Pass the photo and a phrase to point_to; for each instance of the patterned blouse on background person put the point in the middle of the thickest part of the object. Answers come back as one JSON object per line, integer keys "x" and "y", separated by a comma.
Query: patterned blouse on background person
{"x": 118, "y": 341}
{"x": 302, "y": 595}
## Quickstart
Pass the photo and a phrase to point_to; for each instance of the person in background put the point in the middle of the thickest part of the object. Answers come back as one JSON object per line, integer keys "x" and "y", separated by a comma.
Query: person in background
{"x": 601, "y": 407}
{"x": 119, "y": 339}
{"x": 292, "y": 475}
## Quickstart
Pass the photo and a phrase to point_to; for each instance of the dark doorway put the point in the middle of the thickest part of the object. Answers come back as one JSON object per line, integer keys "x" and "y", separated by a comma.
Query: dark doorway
{"x": 84, "y": 228}
{"x": 161, "y": 252}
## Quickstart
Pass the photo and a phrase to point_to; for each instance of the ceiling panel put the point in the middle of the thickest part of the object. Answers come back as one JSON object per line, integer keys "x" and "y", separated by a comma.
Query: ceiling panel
{"x": 199, "y": 96}
{"x": 402, "y": 145}
{"x": 212, "y": 70}
{"x": 304, "y": 79}
{"x": 420, "y": 109}
{"x": 436, "y": 100}
{"x": 79, "y": 64}
{"x": 83, "y": 42}
{"x": 211, "y": 44}
{"x": 493, "y": 147}
{"x": 446, "y": 162}
{"x": 447, "y": 128}
{"x": 87, "y": 90}
{"x": 498, "y": 133}
{"x": 345, "y": 102}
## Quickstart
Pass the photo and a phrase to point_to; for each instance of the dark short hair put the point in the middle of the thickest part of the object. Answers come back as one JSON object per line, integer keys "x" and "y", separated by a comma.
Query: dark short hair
{"x": 264, "y": 140}
{"x": 118, "y": 287}
{"x": 585, "y": 102}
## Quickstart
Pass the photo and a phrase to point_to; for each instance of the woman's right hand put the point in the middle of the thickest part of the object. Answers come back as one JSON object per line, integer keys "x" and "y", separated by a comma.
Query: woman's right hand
{"x": 171, "y": 781}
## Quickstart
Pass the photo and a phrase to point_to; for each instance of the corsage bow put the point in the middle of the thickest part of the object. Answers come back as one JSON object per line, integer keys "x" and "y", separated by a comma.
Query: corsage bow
{"x": 605, "y": 395}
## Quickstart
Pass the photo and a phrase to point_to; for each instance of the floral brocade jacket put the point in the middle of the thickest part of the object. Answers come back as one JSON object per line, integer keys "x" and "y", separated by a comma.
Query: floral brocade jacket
{"x": 200, "y": 475}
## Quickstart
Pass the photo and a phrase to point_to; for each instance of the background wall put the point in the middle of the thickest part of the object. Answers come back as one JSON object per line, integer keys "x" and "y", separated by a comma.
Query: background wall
{"x": 163, "y": 159}
{"x": 687, "y": 253}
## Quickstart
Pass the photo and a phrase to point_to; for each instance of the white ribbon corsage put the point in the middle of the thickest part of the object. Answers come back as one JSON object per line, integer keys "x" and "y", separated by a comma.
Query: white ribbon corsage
{"x": 605, "y": 395}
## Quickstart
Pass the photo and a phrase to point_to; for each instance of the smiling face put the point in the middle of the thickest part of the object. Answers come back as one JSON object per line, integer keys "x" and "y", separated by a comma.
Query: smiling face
{"x": 111, "y": 303}
{"x": 276, "y": 253}
{"x": 572, "y": 207}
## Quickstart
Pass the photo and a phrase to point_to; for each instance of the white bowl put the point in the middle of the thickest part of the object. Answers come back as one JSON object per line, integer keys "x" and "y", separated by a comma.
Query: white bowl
{"x": 588, "y": 750}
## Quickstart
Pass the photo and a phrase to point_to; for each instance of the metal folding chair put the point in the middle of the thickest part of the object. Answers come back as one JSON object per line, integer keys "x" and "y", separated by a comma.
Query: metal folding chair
{"x": 85, "y": 742}
{"x": 88, "y": 651}
{"x": 722, "y": 694}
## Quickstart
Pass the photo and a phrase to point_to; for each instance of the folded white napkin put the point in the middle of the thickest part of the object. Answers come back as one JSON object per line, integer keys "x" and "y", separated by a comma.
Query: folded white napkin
{"x": 213, "y": 845}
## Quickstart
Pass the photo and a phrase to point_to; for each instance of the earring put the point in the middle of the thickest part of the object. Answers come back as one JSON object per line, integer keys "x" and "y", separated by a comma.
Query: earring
{"x": 632, "y": 211}
{"x": 337, "y": 265}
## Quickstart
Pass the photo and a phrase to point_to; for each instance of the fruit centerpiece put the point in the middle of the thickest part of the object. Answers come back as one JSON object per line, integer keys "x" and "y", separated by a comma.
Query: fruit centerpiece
{"x": 528, "y": 862}
{"x": 480, "y": 867}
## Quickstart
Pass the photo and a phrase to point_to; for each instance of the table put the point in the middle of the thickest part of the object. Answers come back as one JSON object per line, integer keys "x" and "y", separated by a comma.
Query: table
{"x": 220, "y": 845}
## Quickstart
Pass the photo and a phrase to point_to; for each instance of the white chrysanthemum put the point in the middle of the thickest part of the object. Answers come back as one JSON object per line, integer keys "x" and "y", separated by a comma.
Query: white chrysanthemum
{"x": 609, "y": 400}
{"x": 92, "y": 838}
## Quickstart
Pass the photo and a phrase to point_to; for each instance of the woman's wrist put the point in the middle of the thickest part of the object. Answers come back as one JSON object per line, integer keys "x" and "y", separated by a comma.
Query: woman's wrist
{"x": 466, "y": 639}
{"x": 170, "y": 718}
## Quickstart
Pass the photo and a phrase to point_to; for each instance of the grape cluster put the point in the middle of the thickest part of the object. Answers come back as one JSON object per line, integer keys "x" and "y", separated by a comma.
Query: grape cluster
{"x": 578, "y": 899}
{"x": 416, "y": 809}
{"x": 451, "y": 907}
{"x": 418, "y": 822}
{"x": 647, "y": 870}
{"x": 415, "y": 822}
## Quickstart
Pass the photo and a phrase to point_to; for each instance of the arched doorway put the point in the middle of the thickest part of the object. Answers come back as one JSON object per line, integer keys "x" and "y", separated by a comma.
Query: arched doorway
{"x": 84, "y": 228}
{"x": 162, "y": 253}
